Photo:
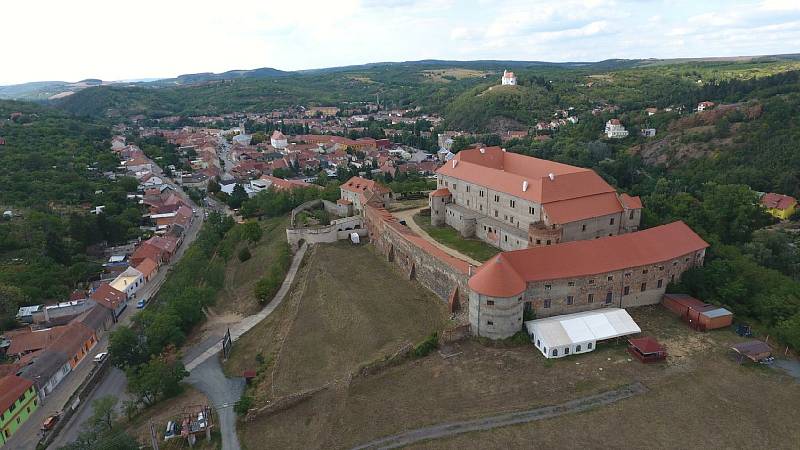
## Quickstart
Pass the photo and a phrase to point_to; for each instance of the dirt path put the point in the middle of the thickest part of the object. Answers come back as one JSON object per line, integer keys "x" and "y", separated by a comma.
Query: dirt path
{"x": 408, "y": 216}
{"x": 487, "y": 423}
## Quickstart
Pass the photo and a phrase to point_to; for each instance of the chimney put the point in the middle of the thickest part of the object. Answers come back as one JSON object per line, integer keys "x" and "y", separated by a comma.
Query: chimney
{"x": 524, "y": 186}
{"x": 455, "y": 161}
{"x": 504, "y": 149}
{"x": 482, "y": 150}
{"x": 552, "y": 176}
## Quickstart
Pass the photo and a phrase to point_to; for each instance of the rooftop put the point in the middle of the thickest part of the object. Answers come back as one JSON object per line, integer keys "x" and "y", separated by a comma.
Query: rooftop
{"x": 583, "y": 258}
{"x": 11, "y": 388}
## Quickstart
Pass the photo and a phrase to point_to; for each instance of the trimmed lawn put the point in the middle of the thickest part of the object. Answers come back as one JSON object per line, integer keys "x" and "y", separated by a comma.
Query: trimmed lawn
{"x": 474, "y": 248}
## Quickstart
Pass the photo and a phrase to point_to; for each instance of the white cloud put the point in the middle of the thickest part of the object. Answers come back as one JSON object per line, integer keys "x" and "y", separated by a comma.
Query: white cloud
{"x": 54, "y": 39}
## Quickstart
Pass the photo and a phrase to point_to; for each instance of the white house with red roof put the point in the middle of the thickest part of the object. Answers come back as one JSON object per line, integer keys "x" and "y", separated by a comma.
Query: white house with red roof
{"x": 615, "y": 129}
{"x": 508, "y": 79}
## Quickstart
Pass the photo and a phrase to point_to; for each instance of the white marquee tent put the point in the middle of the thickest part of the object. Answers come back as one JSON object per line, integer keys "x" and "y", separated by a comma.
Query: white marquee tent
{"x": 560, "y": 336}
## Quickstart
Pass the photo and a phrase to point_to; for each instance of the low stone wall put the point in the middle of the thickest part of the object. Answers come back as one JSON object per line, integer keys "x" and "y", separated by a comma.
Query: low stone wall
{"x": 339, "y": 229}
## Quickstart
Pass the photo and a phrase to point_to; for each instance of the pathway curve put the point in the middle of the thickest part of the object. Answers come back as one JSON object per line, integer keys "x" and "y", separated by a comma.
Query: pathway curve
{"x": 408, "y": 216}
{"x": 205, "y": 371}
{"x": 250, "y": 321}
{"x": 502, "y": 420}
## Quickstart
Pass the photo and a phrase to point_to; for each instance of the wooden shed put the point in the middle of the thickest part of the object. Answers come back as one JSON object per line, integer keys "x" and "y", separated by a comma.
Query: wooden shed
{"x": 755, "y": 351}
{"x": 699, "y": 315}
{"x": 647, "y": 349}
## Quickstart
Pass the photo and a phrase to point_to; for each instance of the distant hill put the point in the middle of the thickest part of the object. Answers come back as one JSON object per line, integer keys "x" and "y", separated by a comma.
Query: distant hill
{"x": 195, "y": 78}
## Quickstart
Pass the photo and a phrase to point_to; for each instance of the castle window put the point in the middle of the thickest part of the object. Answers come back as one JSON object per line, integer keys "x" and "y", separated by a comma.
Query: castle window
{"x": 497, "y": 198}
{"x": 660, "y": 267}
{"x": 547, "y": 303}
{"x": 626, "y": 290}
{"x": 480, "y": 193}
{"x": 591, "y": 281}
{"x": 512, "y": 203}
{"x": 674, "y": 263}
{"x": 644, "y": 287}
{"x": 570, "y": 299}
{"x": 548, "y": 242}
{"x": 609, "y": 297}
{"x": 495, "y": 213}
{"x": 611, "y": 222}
{"x": 583, "y": 227}
{"x": 611, "y": 278}
{"x": 505, "y": 238}
{"x": 531, "y": 210}
{"x": 538, "y": 242}
{"x": 467, "y": 188}
{"x": 489, "y": 302}
{"x": 455, "y": 187}
{"x": 547, "y": 287}
{"x": 571, "y": 283}
{"x": 644, "y": 271}
{"x": 590, "y": 298}
{"x": 489, "y": 322}
{"x": 660, "y": 283}
{"x": 630, "y": 215}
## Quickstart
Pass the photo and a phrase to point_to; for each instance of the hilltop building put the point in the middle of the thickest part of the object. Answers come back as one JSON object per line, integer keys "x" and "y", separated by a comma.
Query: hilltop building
{"x": 514, "y": 201}
{"x": 508, "y": 79}
{"x": 615, "y": 129}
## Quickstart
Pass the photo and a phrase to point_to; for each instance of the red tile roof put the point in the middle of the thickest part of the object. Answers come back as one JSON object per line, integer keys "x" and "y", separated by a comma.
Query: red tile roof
{"x": 11, "y": 388}
{"x": 567, "y": 211}
{"x": 630, "y": 202}
{"x": 34, "y": 340}
{"x": 107, "y": 296}
{"x": 280, "y": 183}
{"x": 647, "y": 345}
{"x": 497, "y": 278}
{"x": 441, "y": 192}
{"x": 592, "y": 257}
{"x": 146, "y": 250}
{"x": 359, "y": 185}
{"x": 147, "y": 267}
{"x": 506, "y": 172}
{"x": 777, "y": 201}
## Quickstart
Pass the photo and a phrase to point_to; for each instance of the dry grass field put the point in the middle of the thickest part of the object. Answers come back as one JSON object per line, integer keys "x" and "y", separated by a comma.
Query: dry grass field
{"x": 446, "y": 75}
{"x": 700, "y": 397}
{"x": 240, "y": 277}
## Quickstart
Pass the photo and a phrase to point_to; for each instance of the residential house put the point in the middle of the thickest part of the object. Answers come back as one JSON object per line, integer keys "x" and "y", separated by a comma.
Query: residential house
{"x": 508, "y": 79}
{"x": 704, "y": 106}
{"x": 111, "y": 299}
{"x": 147, "y": 251}
{"x": 128, "y": 282}
{"x": 648, "y": 132}
{"x": 18, "y": 400}
{"x": 47, "y": 370}
{"x": 779, "y": 205}
{"x": 615, "y": 129}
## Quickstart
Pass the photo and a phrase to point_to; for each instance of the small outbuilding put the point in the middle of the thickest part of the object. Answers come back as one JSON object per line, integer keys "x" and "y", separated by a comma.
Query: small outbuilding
{"x": 647, "y": 349}
{"x": 756, "y": 351}
{"x": 699, "y": 315}
{"x": 560, "y": 336}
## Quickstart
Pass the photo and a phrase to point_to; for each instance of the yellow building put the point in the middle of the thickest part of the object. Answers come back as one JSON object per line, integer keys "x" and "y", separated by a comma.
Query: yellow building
{"x": 779, "y": 205}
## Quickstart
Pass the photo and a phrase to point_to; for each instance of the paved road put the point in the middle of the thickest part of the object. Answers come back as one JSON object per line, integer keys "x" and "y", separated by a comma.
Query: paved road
{"x": 114, "y": 384}
{"x": 408, "y": 216}
{"x": 114, "y": 380}
{"x": 502, "y": 420}
{"x": 223, "y": 393}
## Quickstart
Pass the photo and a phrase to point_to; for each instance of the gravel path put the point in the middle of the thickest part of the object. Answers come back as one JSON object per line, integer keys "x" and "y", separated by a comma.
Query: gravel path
{"x": 487, "y": 423}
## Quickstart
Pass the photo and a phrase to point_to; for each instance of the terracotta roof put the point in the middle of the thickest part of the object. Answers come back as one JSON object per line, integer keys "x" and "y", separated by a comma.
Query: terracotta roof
{"x": 166, "y": 243}
{"x": 277, "y": 135}
{"x": 584, "y": 258}
{"x": 507, "y": 172}
{"x": 647, "y": 345}
{"x": 147, "y": 267}
{"x": 280, "y": 183}
{"x": 567, "y": 211}
{"x": 441, "y": 192}
{"x": 630, "y": 202}
{"x": 359, "y": 185}
{"x": 146, "y": 250}
{"x": 34, "y": 340}
{"x": 777, "y": 201}
{"x": 11, "y": 388}
{"x": 107, "y": 296}
{"x": 72, "y": 339}
{"x": 497, "y": 278}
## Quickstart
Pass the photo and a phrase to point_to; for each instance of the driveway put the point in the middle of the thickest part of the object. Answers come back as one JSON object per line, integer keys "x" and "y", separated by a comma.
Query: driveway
{"x": 223, "y": 393}
{"x": 408, "y": 216}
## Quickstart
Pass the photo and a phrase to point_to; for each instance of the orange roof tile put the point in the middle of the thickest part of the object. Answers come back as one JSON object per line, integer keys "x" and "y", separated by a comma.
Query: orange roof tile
{"x": 441, "y": 192}
{"x": 359, "y": 185}
{"x": 777, "y": 201}
{"x": 11, "y": 388}
{"x": 567, "y": 211}
{"x": 497, "y": 278}
{"x": 107, "y": 296}
{"x": 147, "y": 267}
{"x": 507, "y": 172}
{"x": 630, "y": 202}
{"x": 593, "y": 257}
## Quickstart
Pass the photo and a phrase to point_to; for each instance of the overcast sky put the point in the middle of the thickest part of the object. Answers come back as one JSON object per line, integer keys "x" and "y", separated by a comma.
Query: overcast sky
{"x": 118, "y": 40}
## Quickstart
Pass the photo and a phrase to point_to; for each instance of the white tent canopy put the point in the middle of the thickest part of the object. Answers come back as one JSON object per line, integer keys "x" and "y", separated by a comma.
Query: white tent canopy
{"x": 559, "y": 336}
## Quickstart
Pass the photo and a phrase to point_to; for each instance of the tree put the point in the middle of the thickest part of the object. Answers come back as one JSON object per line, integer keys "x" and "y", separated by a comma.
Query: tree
{"x": 125, "y": 349}
{"x": 11, "y": 298}
{"x": 104, "y": 413}
{"x": 238, "y": 197}
{"x": 156, "y": 380}
{"x": 213, "y": 186}
{"x": 252, "y": 231}
{"x": 244, "y": 254}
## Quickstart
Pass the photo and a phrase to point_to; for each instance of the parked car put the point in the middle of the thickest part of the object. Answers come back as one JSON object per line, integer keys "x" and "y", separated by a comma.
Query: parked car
{"x": 100, "y": 357}
{"x": 51, "y": 421}
{"x": 141, "y": 303}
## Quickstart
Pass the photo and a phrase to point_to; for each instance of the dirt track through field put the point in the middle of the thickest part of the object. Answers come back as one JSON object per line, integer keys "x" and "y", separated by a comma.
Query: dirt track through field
{"x": 502, "y": 420}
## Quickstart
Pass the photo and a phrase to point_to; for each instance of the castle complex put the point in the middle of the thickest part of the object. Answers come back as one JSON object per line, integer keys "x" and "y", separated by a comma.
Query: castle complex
{"x": 571, "y": 242}
{"x": 514, "y": 201}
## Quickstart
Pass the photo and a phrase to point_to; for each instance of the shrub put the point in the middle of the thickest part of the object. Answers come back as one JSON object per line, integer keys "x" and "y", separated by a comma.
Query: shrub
{"x": 243, "y": 405}
{"x": 244, "y": 254}
{"x": 427, "y": 346}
